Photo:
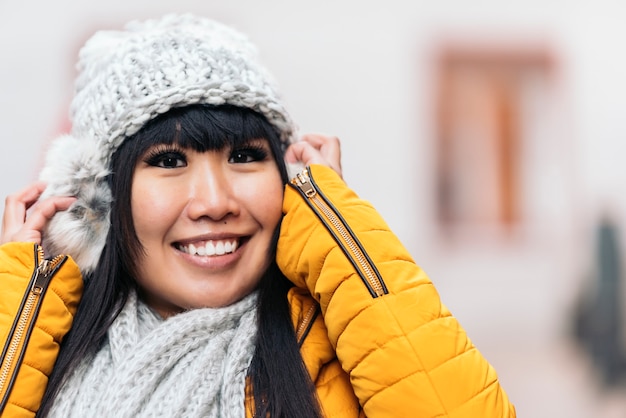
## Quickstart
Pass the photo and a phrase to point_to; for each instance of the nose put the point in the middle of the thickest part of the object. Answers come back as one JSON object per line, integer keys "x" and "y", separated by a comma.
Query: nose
{"x": 211, "y": 195}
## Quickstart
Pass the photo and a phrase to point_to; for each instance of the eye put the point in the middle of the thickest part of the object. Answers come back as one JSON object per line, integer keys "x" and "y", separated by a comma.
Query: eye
{"x": 248, "y": 154}
{"x": 166, "y": 158}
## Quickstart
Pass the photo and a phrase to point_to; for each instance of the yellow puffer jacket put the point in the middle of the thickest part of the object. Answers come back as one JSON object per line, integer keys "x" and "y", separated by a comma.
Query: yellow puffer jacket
{"x": 377, "y": 342}
{"x": 401, "y": 351}
{"x": 46, "y": 294}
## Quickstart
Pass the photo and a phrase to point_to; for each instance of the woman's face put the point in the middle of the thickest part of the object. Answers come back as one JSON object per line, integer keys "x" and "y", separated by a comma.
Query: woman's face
{"x": 206, "y": 222}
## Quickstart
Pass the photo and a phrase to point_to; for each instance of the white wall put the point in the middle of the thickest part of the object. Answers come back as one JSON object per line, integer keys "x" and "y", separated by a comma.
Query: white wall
{"x": 360, "y": 70}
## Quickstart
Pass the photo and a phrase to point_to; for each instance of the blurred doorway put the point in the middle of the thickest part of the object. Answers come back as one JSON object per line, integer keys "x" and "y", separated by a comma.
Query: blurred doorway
{"x": 493, "y": 111}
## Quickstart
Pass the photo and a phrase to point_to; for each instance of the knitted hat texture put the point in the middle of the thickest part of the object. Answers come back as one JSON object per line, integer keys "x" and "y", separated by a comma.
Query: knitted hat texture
{"x": 127, "y": 78}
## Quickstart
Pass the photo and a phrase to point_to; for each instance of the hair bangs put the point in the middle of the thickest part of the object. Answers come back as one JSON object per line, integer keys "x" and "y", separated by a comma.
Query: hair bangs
{"x": 206, "y": 128}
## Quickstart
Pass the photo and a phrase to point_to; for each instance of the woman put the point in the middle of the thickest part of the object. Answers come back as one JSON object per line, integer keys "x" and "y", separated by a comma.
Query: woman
{"x": 214, "y": 290}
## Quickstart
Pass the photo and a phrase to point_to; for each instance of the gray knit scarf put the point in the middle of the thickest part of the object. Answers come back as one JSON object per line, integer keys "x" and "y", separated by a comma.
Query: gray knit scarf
{"x": 193, "y": 364}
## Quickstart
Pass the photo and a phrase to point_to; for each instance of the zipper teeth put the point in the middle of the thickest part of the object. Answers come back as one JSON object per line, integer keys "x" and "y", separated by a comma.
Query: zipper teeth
{"x": 47, "y": 266}
{"x": 354, "y": 249}
{"x": 17, "y": 336}
{"x": 305, "y": 321}
{"x": 304, "y": 183}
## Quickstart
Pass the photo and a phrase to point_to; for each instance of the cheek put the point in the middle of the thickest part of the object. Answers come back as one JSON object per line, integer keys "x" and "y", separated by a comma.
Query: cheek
{"x": 266, "y": 197}
{"x": 276, "y": 207}
{"x": 151, "y": 207}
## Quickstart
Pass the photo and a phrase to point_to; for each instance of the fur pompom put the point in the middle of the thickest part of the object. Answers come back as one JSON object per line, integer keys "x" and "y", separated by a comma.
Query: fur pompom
{"x": 74, "y": 167}
{"x": 293, "y": 169}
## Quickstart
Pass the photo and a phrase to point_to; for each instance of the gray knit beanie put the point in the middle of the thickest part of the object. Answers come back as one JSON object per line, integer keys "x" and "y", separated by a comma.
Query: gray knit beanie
{"x": 126, "y": 78}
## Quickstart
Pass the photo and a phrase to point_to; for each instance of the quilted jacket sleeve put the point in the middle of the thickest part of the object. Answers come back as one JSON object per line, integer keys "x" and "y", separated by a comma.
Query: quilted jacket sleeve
{"x": 53, "y": 321}
{"x": 406, "y": 355}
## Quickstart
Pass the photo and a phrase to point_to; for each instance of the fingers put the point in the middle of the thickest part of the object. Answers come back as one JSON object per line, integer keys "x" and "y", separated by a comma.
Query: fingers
{"x": 17, "y": 226}
{"x": 328, "y": 146}
{"x": 316, "y": 149}
{"x": 32, "y": 230}
{"x": 15, "y": 208}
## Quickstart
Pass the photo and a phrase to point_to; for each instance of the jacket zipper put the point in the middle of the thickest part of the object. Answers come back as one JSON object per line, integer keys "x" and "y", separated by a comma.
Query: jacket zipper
{"x": 307, "y": 323}
{"x": 19, "y": 334}
{"x": 337, "y": 226}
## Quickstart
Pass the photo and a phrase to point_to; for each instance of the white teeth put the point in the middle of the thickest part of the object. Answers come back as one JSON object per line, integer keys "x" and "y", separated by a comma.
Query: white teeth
{"x": 211, "y": 248}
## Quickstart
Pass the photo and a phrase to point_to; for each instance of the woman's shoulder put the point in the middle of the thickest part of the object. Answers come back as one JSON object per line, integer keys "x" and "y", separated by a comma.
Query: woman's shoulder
{"x": 332, "y": 383}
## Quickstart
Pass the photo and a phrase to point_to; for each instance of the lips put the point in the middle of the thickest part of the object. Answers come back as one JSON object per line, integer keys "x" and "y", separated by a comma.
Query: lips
{"x": 209, "y": 248}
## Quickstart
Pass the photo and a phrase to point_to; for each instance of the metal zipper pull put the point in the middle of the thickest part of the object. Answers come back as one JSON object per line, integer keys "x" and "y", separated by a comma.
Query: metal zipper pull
{"x": 40, "y": 278}
{"x": 302, "y": 181}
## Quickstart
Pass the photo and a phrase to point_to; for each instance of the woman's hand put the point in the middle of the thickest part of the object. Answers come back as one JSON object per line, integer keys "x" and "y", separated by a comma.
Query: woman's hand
{"x": 17, "y": 226}
{"x": 316, "y": 149}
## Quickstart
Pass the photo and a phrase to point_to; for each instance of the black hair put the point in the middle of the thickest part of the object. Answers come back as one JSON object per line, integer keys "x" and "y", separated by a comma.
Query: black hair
{"x": 281, "y": 385}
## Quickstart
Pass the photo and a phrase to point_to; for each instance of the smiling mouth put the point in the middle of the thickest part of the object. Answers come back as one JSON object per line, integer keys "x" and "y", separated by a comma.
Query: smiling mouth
{"x": 210, "y": 248}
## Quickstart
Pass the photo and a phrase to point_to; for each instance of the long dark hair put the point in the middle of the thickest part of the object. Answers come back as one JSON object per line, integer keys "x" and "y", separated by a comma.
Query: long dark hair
{"x": 281, "y": 385}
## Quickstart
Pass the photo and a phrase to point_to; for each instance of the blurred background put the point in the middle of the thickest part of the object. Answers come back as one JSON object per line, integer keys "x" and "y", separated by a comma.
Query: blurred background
{"x": 489, "y": 134}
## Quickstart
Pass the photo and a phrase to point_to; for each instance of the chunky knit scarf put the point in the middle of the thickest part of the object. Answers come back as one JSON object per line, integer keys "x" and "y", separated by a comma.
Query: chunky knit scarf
{"x": 193, "y": 364}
